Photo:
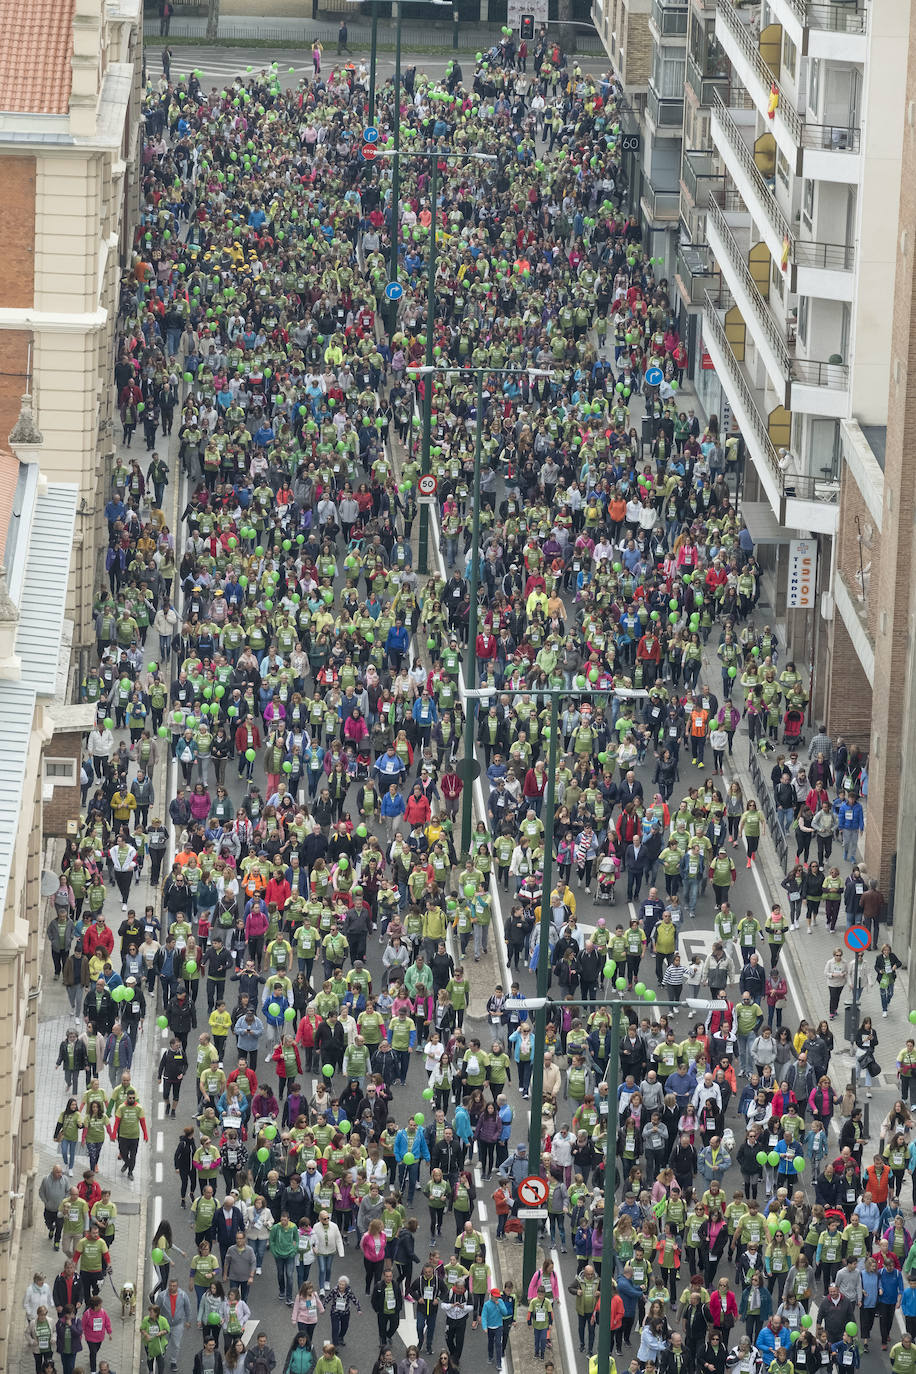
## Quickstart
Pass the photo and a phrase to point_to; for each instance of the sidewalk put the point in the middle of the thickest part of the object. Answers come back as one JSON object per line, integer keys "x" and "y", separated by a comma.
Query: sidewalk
{"x": 129, "y": 1250}
{"x": 806, "y": 955}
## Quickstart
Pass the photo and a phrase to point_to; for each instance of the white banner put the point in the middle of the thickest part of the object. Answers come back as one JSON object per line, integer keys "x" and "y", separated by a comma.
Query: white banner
{"x": 516, "y": 8}
{"x": 802, "y": 574}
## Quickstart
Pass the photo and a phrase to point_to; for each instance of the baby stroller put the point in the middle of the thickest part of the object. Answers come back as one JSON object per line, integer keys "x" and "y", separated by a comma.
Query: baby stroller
{"x": 608, "y": 873}
{"x": 792, "y": 724}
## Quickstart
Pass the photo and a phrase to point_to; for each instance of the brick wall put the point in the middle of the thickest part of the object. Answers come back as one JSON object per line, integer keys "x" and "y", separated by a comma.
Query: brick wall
{"x": 852, "y": 506}
{"x": 14, "y": 363}
{"x": 17, "y": 231}
{"x": 891, "y": 590}
{"x": 849, "y": 697}
{"x": 64, "y": 805}
{"x": 637, "y": 49}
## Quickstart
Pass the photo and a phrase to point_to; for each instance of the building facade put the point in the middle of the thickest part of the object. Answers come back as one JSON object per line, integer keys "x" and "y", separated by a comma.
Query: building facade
{"x": 37, "y": 519}
{"x": 70, "y": 90}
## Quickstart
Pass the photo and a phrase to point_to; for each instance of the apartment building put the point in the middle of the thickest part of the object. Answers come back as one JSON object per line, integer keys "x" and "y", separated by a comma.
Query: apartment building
{"x": 70, "y": 92}
{"x": 36, "y": 531}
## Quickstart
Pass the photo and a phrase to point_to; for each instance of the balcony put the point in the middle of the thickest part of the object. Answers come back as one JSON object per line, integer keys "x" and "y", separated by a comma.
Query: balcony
{"x": 833, "y": 32}
{"x": 768, "y": 336}
{"x": 753, "y": 189}
{"x": 704, "y": 85}
{"x": 799, "y": 501}
{"x": 701, "y": 170}
{"x": 665, "y": 112}
{"x": 694, "y": 272}
{"x": 668, "y": 21}
{"x": 660, "y": 207}
{"x": 825, "y": 270}
{"x": 821, "y": 151}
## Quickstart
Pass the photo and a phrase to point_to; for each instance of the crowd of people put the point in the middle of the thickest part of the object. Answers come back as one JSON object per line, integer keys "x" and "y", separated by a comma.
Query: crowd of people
{"x": 280, "y": 647}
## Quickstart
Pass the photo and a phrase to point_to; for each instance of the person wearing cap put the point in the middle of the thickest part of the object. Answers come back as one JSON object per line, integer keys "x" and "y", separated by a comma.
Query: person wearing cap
{"x": 492, "y": 1316}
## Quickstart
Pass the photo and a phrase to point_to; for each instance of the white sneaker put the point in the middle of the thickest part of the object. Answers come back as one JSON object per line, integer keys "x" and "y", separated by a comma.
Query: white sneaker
{"x": 884, "y": 1013}
{"x": 258, "y": 1270}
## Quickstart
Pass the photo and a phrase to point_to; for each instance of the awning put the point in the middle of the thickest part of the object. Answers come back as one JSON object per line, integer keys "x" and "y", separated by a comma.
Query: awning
{"x": 762, "y": 523}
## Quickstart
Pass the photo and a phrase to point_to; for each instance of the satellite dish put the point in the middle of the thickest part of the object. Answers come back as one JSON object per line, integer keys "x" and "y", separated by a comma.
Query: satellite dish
{"x": 49, "y": 883}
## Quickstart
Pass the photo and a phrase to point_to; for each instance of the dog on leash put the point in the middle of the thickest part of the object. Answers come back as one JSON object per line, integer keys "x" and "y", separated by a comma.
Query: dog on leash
{"x": 128, "y": 1298}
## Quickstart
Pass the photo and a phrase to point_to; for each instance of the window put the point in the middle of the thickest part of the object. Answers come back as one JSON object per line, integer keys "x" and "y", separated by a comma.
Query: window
{"x": 789, "y": 56}
{"x": 808, "y": 201}
{"x": 60, "y": 771}
{"x": 782, "y": 168}
{"x": 668, "y": 75}
{"x": 814, "y": 83}
{"x": 777, "y": 279}
{"x": 803, "y": 320}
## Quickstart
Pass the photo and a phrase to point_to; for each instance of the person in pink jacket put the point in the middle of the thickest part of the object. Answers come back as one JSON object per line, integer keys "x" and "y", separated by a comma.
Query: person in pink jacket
{"x": 96, "y": 1326}
{"x": 372, "y": 1245}
{"x": 546, "y": 1274}
{"x": 307, "y": 1308}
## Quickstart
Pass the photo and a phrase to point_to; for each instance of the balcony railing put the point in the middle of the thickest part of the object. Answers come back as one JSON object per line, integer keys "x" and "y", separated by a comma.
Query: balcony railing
{"x": 695, "y": 271}
{"x": 838, "y": 138}
{"x": 840, "y": 18}
{"x": 665, "y": 112}
{"x": 743, "y": 155}
{"x": 832, "y": 257}
{"x": 700, "y": 171}
{"x": 791, "y": 485}
{"x": 670, "y": 20}
{"x": 703, "y": 86}
{"x": 661, "y": 204}
{"x": 809, "y": 372}
{"x": 714, "y": 326}
{"x": 774, "y": 335}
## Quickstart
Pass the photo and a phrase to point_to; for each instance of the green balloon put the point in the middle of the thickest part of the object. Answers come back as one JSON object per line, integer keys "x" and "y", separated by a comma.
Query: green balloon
{"x": 190, "y": 968}
{"x": 470, "y": 890}
{"x": 733, "y": 671}
{"x": 807, "y": 1321}
{"x": 328, "y": 1070}
{"x": 289, "y": 1014}
{"x": 773, "y": 1159}
{"x": 162, "y": 1022}
{"x": 798, "y": 1164}
{"x": 270, "y": 1132}
{"x": 639, "y": 989}
{"x": 163, "y": 731}
{"x": 158, "y": 1256}
{"x": 344, "y": 1127}
{"x": 109, "y": 723}
{"x": 428, "y": 1094}
{"x": 409, "y": 1158}
{"x": 610, "y": 968}
{"x": 761, "y": 1157}
{"x": 418, "y": 1119}
{"x": 649, "y": 995}
{"x": 274, "y": 1009}
{"x": 263, "y": 1154}
{"x": 214, "y": 1319}
{"x": 620, "y": 984}
{"x": 851, "y": 1329}
{"x": 127, "y": 995}
{"x": 250, "y": 755}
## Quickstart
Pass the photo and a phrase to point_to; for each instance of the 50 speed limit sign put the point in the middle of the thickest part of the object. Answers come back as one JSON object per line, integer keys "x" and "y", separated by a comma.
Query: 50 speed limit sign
{"x": 427, "y": 486}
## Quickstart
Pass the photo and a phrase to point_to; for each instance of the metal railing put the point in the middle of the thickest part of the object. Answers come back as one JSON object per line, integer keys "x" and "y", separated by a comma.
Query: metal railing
{"x": 700, "y": 170}
{"x": 713, "y": 326}
{"x": 661, "y": 204}
{"x": 808, "y": 372}
{"x": 766, "y": 802}
{"x": 704, "y": 85}
{"x": 832, "y": 257}
{"x": 695, "y": 270}
{"x": 785, "y": 110}
{"x": 832, "y": 138}
{"x": 665, "y": 111}
{"x": 669, "y": 20}
{"x": 839, "y": 18}
{"x": 768, "y": 326}
{"x": 745, "y": 157}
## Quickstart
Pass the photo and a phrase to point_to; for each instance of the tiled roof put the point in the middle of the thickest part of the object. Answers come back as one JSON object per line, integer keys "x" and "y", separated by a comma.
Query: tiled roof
{"x": 35, "y": 51}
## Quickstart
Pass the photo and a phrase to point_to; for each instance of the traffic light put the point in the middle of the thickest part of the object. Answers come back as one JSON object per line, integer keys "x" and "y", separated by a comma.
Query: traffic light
{"x": 528, "y": 27}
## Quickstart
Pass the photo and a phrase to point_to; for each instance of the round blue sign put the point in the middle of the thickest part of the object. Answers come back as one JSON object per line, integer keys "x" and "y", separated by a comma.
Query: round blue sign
{"x": 857, "y": 938}
{"x": 394, "y": 290}
{"x": 654, "y": 376}
{"x": 370, "y": 135}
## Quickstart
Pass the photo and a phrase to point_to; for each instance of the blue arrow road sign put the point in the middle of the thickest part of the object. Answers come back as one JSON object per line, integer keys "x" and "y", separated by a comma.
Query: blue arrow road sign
{"x": 394, "y": 290}
{"x": 370, "y": 135}
{"x": 654, "y": 376}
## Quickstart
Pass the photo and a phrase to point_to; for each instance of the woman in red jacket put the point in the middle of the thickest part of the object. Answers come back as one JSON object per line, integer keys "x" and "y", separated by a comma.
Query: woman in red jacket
{"x": 534, "y": 786}
{"x": 417, "y": 810}
{"x": 289, "y": 1064}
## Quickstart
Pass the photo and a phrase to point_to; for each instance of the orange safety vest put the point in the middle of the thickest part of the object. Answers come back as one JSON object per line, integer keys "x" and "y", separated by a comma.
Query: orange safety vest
{"x": 698, "y": 722}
